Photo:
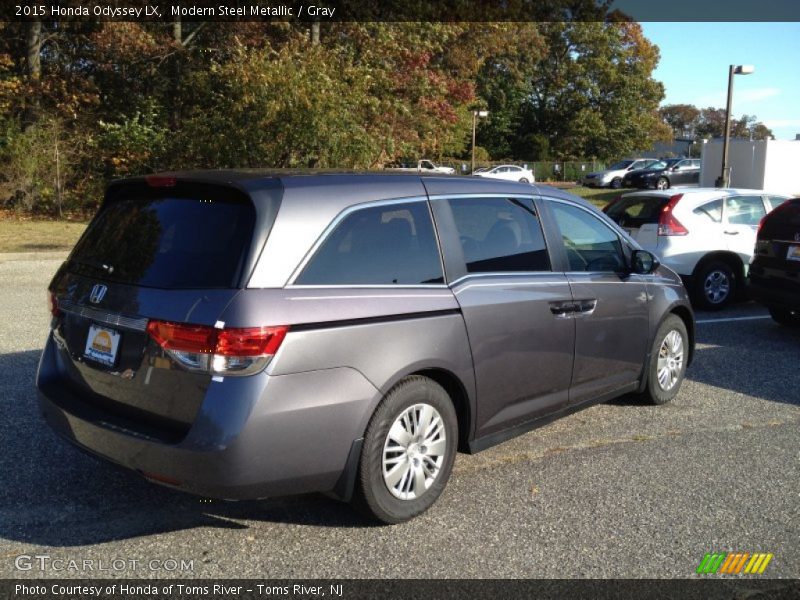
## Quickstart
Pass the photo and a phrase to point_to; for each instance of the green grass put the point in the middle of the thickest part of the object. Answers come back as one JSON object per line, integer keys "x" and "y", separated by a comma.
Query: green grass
{"x": 35, "y": 236}
{"x": 597, "y": 196}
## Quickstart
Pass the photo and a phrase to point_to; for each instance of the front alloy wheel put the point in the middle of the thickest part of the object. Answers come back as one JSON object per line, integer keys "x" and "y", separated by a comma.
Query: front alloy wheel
{"x": 670, "y": 360}
{"x": 668, "y": 357}
{"x": 662, "y": 183}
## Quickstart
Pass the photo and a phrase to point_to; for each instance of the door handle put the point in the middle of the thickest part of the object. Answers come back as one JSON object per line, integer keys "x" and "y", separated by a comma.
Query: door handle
{"x": 562, "y": 309}
{"x": 731, "y": 233}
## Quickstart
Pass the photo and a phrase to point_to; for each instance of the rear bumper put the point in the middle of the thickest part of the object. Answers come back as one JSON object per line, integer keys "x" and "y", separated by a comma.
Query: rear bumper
{"x": 253, "y": 437}
{"x": 767, "y": 293}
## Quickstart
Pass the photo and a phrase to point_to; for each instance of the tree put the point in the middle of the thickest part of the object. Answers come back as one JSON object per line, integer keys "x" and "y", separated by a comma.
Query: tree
{"x": 592, "y": 93}
{"x": 711, "y": 124}
{"x": 297, "y": 106}
{"x": 682, "y": 118}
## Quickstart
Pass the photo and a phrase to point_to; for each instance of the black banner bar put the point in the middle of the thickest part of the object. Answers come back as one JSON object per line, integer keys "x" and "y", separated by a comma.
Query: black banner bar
{"x": 713, "y": 588}
{"x": 400, "y": 10}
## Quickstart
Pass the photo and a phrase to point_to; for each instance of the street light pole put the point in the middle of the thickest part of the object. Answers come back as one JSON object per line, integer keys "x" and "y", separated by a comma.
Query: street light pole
{"x": 724, "y": 177}
{"x": 475, "y": 114}
{"x": 724, "y": 180}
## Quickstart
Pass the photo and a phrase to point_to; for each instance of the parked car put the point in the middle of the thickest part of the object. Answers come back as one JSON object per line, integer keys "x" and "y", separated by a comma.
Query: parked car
{"x": 665, "y": 174}
{"x": 706, "y": 235}
{"x": 775, "y": 271}
{"x": 507, "y": 172}
{"x": 612, "y": 177}
{"x": 422, "y": 166}
{"x": 245, "y": 335}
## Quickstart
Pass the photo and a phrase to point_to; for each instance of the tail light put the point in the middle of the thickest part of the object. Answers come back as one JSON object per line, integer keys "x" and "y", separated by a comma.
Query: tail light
{"x": 761, "y": 222}
{"x": 159, "y": 181}
{"x": 52, "y": 304}
{"x": 667, "y": 223}
{"x": 234, "y": 351}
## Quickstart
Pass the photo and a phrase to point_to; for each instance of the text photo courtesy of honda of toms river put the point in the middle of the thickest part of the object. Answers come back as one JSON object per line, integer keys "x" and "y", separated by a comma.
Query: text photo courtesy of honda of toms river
{"x": 243, "y": 335}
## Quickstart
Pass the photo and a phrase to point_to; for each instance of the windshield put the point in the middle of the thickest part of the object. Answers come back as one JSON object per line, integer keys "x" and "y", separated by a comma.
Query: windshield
{"x": 623, "y": 164}
{"x": 172, "y": 238}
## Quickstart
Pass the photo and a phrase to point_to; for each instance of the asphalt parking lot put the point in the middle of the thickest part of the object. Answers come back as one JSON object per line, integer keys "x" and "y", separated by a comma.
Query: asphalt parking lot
{"x": 618, "y": 490}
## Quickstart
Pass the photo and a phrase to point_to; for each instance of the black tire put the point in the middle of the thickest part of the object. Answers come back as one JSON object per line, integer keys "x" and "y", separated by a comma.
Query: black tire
{"x": 714, "y": 285}
{"x": 662, "y": 183}
{"x": 785, "y": 316}
{"x": 372, "y": 495}
{"x": 524, "y": 180}
{"x": 655, "y": 392}
{"x": 616, "y": 183}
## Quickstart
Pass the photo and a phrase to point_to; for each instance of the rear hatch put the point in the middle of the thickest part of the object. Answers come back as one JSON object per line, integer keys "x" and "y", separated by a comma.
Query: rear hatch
{"x": 639, "y": 216}
{"x": 777, "y": 254}
{"x": 169, "y": 251}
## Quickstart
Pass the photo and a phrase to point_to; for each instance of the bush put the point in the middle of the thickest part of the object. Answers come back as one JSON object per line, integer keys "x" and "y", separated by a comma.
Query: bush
{"x": 133, "y": 146}
{"x": 29, "y": 173}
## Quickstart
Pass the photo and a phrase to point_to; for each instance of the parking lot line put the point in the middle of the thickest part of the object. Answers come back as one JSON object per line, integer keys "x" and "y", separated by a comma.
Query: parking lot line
{"x": 730, "y": 319}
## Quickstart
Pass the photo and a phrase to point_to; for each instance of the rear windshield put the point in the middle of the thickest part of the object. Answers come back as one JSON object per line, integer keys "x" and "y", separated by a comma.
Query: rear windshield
{"x": 188, "y": 236}
{"x": 782, "y": 223}
{"x": 637, "y": 211}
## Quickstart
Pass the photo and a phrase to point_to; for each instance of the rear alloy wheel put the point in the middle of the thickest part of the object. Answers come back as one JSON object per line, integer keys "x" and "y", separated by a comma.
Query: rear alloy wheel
{"x": 785, "y": 316}
{"x": 668, "y": 358}
{"x": 662, "y": 183}
{"x": 523, "y": 180}
{"x": 616, "y": 183}
{"x": 408, "y": 453}
{"x": 714, "y": 286}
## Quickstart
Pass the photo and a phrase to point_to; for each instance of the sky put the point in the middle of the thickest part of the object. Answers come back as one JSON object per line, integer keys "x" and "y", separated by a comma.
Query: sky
{"x": 694, "y": 68}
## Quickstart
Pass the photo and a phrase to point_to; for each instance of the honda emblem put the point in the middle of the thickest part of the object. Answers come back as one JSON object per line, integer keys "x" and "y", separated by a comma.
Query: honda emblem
{"x": 98, "y": 293}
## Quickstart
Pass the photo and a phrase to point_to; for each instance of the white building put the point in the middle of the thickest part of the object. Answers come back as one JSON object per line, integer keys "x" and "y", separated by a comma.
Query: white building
{"x": 772, "y": 165}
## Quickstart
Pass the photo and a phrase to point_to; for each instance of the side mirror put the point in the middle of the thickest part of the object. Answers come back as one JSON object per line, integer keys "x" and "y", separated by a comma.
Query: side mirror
{"x": 643, "y": 262}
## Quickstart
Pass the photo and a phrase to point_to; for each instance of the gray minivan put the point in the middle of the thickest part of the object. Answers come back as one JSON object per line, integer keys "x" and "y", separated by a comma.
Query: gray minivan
{"x": 247, "y": 334}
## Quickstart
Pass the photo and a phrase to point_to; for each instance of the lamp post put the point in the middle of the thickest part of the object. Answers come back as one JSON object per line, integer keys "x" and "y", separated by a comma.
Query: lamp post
{"x": 724, "y": 177}
{"x": 475, "y": 114}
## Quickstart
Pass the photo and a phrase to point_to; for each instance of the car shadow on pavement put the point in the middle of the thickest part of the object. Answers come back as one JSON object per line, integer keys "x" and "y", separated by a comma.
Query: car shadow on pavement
{"x": 757, "y": 358}
{"x": 56, "y": 495}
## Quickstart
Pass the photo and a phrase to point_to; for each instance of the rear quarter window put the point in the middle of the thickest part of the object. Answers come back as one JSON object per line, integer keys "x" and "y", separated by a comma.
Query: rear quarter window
{"x": 710, "y": 210}
{"x": 391, "y": 244}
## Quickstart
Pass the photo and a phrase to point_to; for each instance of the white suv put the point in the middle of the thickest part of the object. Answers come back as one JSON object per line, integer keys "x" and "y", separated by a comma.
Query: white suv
{"x": 706, "y": 235}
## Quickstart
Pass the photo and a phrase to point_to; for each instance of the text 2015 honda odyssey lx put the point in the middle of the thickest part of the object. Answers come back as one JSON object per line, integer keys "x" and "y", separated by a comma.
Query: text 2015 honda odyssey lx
{"x": 243, "y": 335}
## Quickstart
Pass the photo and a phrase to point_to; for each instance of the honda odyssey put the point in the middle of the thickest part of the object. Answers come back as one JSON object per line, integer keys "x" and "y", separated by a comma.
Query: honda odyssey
{"x": 244, "y": 335}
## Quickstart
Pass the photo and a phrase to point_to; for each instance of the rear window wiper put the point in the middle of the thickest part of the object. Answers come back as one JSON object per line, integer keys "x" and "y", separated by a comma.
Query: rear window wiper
{"x": 95, "y": 264}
